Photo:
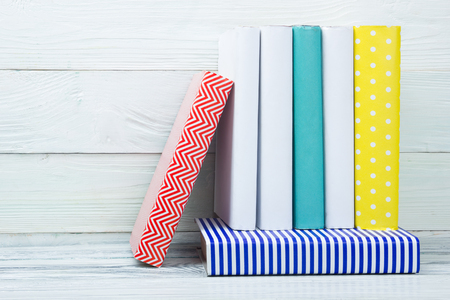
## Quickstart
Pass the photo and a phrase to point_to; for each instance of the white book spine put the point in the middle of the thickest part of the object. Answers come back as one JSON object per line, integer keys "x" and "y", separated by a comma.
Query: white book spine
{"x": 274, "y": 209}
{"x": 337, "y": 61}
{"x": 237, "y": 133}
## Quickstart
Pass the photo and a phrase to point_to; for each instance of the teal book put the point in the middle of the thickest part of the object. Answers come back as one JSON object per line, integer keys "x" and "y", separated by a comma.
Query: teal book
{"x": 308, "y": 148}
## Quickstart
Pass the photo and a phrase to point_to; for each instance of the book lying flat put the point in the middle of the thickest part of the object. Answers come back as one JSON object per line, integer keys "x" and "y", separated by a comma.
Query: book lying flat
{"x": 377, "y": 126}
{"x": 178, "y": 167}
{"x": 322, "y": 251}
{"x": 237, "y": 132}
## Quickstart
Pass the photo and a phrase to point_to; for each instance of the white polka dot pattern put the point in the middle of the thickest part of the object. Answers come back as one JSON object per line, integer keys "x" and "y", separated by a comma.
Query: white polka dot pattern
{"x": 377, "y": 107}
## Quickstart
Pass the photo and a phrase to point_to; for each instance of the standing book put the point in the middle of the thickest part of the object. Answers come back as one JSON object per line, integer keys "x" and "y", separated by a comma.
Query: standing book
{"x": 274, "y": 206}
{"x": 308, "y": 129}
{"x": 337, "y": 60}
{"x": 237, "y": 132}
{"x": 178, "y": 167}
{"x": 377, "y": 126}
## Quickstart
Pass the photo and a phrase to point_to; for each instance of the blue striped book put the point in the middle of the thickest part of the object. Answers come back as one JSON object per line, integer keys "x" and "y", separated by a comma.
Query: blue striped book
{"x": 320, "y": 251}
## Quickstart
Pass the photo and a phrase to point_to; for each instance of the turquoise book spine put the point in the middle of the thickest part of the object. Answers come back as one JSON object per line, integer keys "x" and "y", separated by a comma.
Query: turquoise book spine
{"x": 308, "y": 152}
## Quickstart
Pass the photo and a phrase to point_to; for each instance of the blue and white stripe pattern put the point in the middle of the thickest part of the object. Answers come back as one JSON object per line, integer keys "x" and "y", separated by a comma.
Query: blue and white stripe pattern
{"x": 323, "y": 251}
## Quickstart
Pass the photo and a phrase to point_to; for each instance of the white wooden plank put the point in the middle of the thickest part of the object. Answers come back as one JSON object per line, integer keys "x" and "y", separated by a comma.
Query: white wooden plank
{"x": 182, "y": 35}
{"x": 133, "y": 112}
{"x": 90, "y": 112}
{"x": 23, "y": 240}
{"x": 424, "y": 191}
{"x": 103, "y": 192}
{"x": 107, "y": 286}
{"x": 425, "y": 112}
{"x": 86, "y": 193}
{"x": 90, "y": 268}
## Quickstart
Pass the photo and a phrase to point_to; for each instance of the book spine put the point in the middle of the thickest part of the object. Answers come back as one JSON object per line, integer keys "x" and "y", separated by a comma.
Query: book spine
{"x": 338, "y": 119}
{"x": 377, "y": 123}
{"x": 308, "y": 128}
{"x": 274, "y": 204}
{"x": 237, "y": 132}
{"x": 164, "y": 161}
{"x": 182, "y": 171}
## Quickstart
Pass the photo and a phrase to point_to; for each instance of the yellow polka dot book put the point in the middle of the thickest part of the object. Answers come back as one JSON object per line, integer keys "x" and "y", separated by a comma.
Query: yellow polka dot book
{"x": 377, "y": 122}
{"x": 360, "y": 84}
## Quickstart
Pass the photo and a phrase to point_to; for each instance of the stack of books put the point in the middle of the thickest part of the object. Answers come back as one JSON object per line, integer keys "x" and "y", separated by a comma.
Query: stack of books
{"x": 306, "y": 157}
{"x": 309, "y": 184}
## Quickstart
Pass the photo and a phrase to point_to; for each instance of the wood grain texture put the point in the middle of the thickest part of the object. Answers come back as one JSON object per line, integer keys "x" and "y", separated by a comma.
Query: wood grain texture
{"x": 183, "y": 35}
{"x": 425, "y": 112}
{"x": 22, "y": 240}
{"x": 424, "y": 191}
{"x": 86, "y": 193}
{"x": 133, "y": 112}
{"x": 108, "y": 88}
{"x": 88, "y": 112}
{"x": 103, "y": 192}
{"x": 86, "y": 267}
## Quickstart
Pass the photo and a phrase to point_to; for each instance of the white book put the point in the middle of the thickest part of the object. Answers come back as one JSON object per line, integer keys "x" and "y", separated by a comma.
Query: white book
{"x": 337, "y": 66}
{"x": 237, "y": 132}
{"x": 274, "y": 209}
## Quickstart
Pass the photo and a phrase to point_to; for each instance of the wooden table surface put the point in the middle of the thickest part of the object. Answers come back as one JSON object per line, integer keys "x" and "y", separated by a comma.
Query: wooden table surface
{"x": 71, "y": 266}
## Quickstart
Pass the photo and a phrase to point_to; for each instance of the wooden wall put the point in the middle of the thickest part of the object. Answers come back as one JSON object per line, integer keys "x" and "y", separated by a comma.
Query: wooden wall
{"x": 89, "y": 91}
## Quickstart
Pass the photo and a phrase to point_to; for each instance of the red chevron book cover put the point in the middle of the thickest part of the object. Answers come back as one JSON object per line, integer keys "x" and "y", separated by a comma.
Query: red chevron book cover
{"x": 178, "y": 167}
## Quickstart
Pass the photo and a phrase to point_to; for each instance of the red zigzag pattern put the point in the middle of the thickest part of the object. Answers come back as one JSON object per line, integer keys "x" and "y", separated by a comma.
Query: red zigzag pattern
{"x": 182, "y": 172}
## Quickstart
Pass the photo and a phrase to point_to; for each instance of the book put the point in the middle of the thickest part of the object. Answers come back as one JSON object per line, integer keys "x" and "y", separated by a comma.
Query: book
{"x": 377, "y": 126}
{"x": 338, "y": 120}
{"x": 178, "y": 167}
{"x": 309, "y": 205}
{"x": 274, "y": 181}
{"x": 237, "y": 132}
{"x": 322, "y": 251}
